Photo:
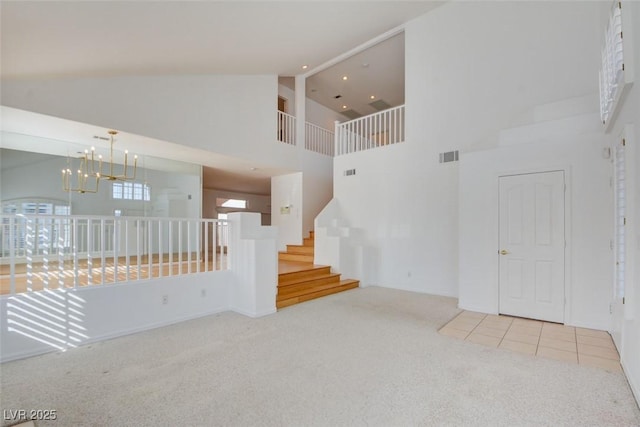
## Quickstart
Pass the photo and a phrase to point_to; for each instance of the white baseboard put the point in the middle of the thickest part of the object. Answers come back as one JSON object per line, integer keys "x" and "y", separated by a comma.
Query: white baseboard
{"x": 253, "y": 314}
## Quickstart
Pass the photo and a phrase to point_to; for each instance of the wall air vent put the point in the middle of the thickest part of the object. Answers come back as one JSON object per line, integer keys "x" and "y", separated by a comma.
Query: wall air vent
{"x": 351, "y": 114}
{"x": 449, "y": 156}
{"x": 349, "y": 172}
{"x": 380, "y": 105}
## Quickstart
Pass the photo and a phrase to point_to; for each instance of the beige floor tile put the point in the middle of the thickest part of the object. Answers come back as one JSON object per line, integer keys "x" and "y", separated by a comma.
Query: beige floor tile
{"x": 529, "y": 323}
{"x": 599, "y": 342}
{"x": 483, "y": 330}
{"x": 599, "y": 362}
{"x": 451, "y": 332}
{"x": 592, "y": 333}
{"x": 496, "y": 324}
{"x": 463, "y": 324}
{"x": 525, "y": 330}
{"x": 558, "y": 335}
{"x": 523, "y": 338}
{"x": 552, "y": 353}
{"x": 558, "y": 344}
{"x": 472, "y": 315}
{"x": 484, "y": 340}
{"x": 520, "y": 347}
{"x": 499, "y": 318}
{"x": 603, "y": 352}
{"x": 556, "y": 327}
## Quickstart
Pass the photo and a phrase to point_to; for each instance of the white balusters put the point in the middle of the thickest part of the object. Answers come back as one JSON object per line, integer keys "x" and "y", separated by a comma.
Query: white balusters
{"x": 58, "y": 251}
{"x": 375, "y": 130}
{"x": 318, "y": 139}
{"x": 286, "y": 128}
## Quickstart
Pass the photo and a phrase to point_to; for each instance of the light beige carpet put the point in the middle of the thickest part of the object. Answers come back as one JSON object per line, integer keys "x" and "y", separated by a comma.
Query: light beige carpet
{"x": 368, "y": 356}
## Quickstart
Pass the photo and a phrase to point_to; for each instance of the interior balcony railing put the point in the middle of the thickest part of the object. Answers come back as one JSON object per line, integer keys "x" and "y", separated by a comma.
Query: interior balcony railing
{"x": 317, "y": 138}
{"x": 375, "y": 130}
{"x": 286, "y": 128}
{"x": 67, "y": 251}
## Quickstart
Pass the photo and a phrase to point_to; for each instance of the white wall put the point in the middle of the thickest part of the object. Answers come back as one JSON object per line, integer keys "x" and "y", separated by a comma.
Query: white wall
{"x": 500, "y": 59}
{"x": 630, "y": 115}
{"x": 588, "y": 231}
{"x": 407, "y": 216}
{"x": 230, "y": 115}
{"x": 107, "y": 311}
{"x": 317, "y": 187}
{"x": 286, "y": 190}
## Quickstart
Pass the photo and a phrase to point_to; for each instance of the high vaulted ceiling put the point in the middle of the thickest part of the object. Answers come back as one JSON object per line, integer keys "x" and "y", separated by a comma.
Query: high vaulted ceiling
{"x": 90, "y": 38}
{"x": 67, "y": 39}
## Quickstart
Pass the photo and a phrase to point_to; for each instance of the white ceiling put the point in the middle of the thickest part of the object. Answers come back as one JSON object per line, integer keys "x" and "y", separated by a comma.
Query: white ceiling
{"x": 64, "y": 39}
{"x": 374, "y": 74}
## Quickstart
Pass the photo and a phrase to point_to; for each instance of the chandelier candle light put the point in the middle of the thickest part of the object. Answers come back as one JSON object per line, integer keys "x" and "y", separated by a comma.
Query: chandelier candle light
{"x": 85, "y": 171}
{"x": 82, "y": 178}
{"x": 111, "y": 176}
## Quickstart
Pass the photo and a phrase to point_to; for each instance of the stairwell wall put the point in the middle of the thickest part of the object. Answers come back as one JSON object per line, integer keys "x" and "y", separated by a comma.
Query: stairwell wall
{"x": 496, "y": 63}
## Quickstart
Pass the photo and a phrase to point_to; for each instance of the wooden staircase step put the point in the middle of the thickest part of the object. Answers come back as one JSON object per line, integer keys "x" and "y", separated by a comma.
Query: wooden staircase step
{"x": 343, "y": 285}
{"x": 307, "y": 285}
{"x": 286, "y": 256}
{"x": 300, "y": 249}
{"x": 308, "y": 241}
{"x": 312, "y": 272}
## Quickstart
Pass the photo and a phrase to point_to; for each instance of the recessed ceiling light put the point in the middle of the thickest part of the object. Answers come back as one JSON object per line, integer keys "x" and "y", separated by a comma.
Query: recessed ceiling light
{"x": 344, "y": 77}
{"x": 365, "y": 64}
{"x": 372, "y": 97}
{"x": 305, "y": 66}
{"x": 344, "y": 107}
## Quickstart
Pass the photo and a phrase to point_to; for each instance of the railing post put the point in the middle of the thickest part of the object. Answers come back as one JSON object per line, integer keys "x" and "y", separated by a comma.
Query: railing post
{"x": 336, "y": 138}
{"x": 12, "y": 255}
{"x": 300, "y": 108}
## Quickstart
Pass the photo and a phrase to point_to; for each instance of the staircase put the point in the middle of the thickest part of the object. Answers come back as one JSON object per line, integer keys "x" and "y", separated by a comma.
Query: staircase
{"x": 300, "y": 280}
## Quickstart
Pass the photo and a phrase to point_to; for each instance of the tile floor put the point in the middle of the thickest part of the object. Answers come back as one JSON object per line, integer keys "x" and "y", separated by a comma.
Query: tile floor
{"x": 537, "y": 338}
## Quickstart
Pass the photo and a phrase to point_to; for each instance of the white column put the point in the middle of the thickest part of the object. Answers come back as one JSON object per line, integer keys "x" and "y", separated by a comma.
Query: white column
{"x": 301, "y": 101}
{"x": 253, "y": 260}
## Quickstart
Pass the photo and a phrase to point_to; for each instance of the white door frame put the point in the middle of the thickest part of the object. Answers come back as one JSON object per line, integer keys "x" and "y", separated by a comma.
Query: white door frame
{"x": 567, "y": 230}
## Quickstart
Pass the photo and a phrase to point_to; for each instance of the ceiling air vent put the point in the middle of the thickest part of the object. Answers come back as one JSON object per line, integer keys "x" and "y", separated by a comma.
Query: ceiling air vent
{"x": 351, "y": 114}
{"x": 380, "y": 105}
{"x": 349, "y": 172}
{"x": 449, "y": 156}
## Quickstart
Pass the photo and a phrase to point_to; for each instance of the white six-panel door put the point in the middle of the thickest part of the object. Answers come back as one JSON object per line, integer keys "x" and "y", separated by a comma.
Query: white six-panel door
{"x": 532, "y": 245}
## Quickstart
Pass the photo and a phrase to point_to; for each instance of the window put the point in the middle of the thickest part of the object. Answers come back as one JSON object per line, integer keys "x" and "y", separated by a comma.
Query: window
{"x": 231, "y": 203}
{"x": 47, "y": 235}
{"x": 131, "y": 191}
{"x": 613, "y": 79}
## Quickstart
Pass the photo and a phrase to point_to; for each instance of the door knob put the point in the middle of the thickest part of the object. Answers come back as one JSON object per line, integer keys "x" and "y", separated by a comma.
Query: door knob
{"x": 504, "y": 252}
